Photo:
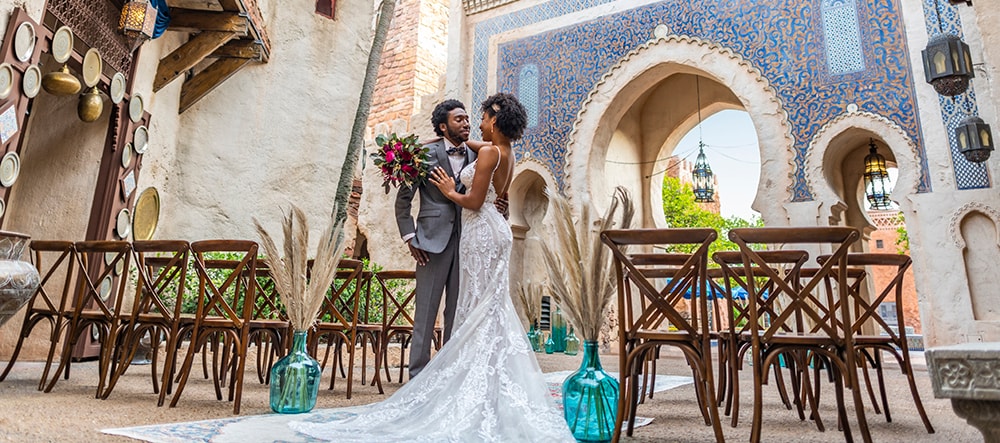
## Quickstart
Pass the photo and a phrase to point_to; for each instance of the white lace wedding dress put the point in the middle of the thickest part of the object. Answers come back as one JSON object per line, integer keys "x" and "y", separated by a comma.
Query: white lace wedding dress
{"x": 484, "y": 384}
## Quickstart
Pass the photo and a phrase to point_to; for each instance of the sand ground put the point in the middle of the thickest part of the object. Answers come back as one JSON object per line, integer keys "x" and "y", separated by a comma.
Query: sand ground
{"x": 70, "y": 413}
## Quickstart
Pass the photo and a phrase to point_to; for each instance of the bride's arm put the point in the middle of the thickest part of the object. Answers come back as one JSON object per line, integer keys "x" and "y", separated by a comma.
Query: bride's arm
{"x": 487, "y": 160}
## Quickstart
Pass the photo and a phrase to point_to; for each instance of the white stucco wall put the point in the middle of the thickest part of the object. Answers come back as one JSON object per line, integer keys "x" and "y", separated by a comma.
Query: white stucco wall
{"x": 271, "y": 135}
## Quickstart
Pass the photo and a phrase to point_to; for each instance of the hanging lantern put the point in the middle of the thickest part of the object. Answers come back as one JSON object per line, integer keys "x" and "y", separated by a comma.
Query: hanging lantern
{"x": 948, "y": 64}
{"x": 702, "y": 177}
{"x": 138, "y": 19}
{"x": 955, "y": 2}
{"x": 975, "y": 141}
{"x": 876, "y": 176}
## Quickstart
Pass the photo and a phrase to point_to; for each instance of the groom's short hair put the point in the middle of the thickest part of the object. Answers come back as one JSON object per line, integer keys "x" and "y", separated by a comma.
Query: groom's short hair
{"x": 440, "y": 114}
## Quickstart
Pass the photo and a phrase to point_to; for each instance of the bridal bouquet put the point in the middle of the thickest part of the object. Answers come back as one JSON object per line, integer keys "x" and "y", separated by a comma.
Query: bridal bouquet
{"x": 402, "y": 160}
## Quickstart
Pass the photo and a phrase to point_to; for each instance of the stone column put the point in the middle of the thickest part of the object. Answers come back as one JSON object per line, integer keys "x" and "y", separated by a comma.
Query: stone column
{"x": 969, "y": 374}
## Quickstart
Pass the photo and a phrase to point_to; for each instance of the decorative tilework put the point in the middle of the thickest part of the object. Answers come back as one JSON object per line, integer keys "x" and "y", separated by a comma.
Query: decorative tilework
{"x": 778, "y": 36}
{"x": 842, "y": 35}
{"x": 527, "y": 93}
{"x": 942, "y": 17}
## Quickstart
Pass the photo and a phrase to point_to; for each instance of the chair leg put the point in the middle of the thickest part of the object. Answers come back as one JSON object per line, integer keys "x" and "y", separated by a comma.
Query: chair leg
{"x": 350, "y": 362}
{"x": 916, "y": 395}
{"x": 185, "y": 370}
{"x": 26, "y": 328}
{"x": 863, "y": 363}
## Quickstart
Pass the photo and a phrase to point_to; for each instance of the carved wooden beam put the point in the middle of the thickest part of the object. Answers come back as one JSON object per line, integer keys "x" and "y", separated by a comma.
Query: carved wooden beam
{"x": 189, "y": 55}
{"x": 206, "y": 80}
{"x": 195, "y": 20}
{"x": 258, "y": 30}
{"x": 239, "y": 49}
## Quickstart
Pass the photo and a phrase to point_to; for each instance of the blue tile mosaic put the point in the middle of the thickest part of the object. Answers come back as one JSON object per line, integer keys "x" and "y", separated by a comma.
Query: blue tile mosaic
{"x": 782, "y": 38}
{"x": 842, "y": 36}
{"x": 943, "y": 18}
{"x": 527, "y": 93}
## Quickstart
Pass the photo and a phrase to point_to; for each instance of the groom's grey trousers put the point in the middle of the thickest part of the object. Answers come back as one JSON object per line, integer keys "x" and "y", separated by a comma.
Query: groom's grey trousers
{"x": 440, "y": 274}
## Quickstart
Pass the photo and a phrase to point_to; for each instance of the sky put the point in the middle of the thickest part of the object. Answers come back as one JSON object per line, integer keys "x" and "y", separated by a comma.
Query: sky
{"x": 732, "y": 152}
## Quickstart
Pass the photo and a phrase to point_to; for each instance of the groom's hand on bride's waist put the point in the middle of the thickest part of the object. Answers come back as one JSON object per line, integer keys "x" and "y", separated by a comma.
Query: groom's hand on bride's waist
{"x": 418, "y": 254}
{"x": 503, "y": 206}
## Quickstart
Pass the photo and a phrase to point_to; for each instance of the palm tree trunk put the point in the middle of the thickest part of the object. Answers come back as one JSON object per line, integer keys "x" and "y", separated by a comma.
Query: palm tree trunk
{"x": 386, "y": 11}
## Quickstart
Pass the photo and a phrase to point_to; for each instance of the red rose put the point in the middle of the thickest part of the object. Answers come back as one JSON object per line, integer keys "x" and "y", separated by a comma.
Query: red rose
{"x": 405, "y": 156}
{"x": 390, "y": 156}
{"x": 409, "y": 170}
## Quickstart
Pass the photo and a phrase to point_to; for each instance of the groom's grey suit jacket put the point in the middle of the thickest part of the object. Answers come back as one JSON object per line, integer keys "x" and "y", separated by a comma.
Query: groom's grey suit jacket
{"x": 438, "y": 217}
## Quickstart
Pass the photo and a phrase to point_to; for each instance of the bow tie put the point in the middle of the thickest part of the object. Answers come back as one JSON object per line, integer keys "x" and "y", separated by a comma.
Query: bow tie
{"x": 459, "y": 150}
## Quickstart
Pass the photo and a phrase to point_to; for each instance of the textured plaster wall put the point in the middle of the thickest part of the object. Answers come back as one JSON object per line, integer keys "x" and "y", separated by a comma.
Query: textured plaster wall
{"x": 272, "y": 134}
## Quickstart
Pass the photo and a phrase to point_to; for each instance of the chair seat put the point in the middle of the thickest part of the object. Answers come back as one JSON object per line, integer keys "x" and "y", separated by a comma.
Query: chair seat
{"x": 269, "y": 324}
{"x": 658, "y": 335}
{"x": 862, "y": 340}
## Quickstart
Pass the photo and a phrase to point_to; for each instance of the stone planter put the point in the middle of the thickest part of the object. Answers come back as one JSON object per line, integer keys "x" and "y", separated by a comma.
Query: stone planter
{"x": 18, "y": 278}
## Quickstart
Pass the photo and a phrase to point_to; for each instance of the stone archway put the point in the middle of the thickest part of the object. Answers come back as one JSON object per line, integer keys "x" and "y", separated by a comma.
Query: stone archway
{"x": 528, "y": 204}
{"x": 904, "y": 151}
{"x": 658, "y": 59}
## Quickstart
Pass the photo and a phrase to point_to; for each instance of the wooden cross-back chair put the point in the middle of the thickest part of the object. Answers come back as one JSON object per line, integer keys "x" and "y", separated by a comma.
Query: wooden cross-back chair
{"x": 647, "y": 308}
{"x": 270, "y": 329}
{"x": 873, "y": 334}
{"x": 157, "y": 310}
{"x": 97, "y": 306}
{"x": 369, "y": 329}
{"x": 734, "y": 341}
{"x": 224, "y": 311}
{"x": 52, "y": 302}
{"x": 399, "y": 292}
{"x": 338, "y": 319}
{"x": 799, "y": 328}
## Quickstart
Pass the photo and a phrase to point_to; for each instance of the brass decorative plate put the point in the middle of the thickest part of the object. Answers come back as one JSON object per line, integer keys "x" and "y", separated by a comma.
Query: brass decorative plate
{"x": 147, "y": 214}
{"x": 10, "y": 167}
{"x": 24, "y": 42}
{"x": 135, "y": 108}
{"x": 32, "y": 81}
{"x": 140, "y": 141}
{"x": 124, "y": 223}
{"x": 62, "y": 44}
{"x": 127, "y": 156}
{"x": 6, "y": 79}
{"x": 117, "y": 88}
{"x": 92, "y": 66}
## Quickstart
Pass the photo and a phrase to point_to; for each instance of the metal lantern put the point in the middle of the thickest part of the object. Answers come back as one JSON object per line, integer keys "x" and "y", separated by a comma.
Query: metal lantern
{"x": 702, "y": 177}
{"x": 876, "y": 177}
{"x": 138, "y": 19}
{"x": 955, "y": 2}
{"x": 948, "y": 64}
{"x": 975, "y": 141}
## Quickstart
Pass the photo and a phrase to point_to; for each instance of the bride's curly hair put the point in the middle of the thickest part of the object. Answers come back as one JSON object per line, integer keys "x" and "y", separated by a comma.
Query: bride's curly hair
{"x": 511, "y": 116}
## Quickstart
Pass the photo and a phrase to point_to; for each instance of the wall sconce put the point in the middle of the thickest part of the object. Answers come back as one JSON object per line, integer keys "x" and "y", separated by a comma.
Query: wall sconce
{"x": 948, "y": 64}
{"x": 975, "y": 141}
{"x": 138, "y": 19}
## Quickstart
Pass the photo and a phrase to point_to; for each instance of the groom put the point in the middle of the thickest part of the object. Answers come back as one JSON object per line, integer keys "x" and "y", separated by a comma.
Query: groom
{"x": 433, "y": 239}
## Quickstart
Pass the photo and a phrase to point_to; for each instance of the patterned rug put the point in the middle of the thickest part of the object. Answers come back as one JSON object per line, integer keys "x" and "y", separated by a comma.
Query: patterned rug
{"x": 274, "y": 427}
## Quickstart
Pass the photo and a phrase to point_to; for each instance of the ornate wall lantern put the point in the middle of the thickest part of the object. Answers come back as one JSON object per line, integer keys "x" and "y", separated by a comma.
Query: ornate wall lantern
{"x": 955, "y": 2}
{"x": 948, "y": 64}
{"x": 702, "y": 177}
{"x": 138, "y": 19}
{"x": 876, "y": 176}
{"x": 975, "y": 141}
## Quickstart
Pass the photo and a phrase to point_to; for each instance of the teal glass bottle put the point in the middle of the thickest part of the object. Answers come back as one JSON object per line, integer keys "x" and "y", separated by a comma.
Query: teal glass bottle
{"x": 550, "y": 345}
{"x": 590, "y": 399}
{"x": 535, "y": 338}
{"x": 572, "y": 343}
{"x": 295, "y": 379}
{"x": 558, "y": 331}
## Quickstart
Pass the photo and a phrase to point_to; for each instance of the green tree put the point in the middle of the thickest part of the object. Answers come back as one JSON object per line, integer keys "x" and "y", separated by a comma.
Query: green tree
{"x": 681, "y": 211}
{"x": 902, "y": 236}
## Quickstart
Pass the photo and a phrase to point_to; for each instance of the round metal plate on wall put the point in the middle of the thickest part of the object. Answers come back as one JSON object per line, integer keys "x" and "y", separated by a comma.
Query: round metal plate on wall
{"x": 140, "y": 140}
{"x": 24, "y": 42}
{"x": 123, "y": 225}
{"x": 10, "y": 167}
{"x": 118, "y": 88}
{"x": 62, "y": 44}
{"x": 32, "y": 81}
{"x": 3, "y": 207}
{"x": 6, "y": 79}
{"x": 105, "y": 289}
{"x": 147, "y": 214}
{"x": 109, "y": 257}
{"x": 119, "y": 267}
{"x": 127, "y": 155}
{"x": 92, "y": 67}
{"x": 135, "y": 108}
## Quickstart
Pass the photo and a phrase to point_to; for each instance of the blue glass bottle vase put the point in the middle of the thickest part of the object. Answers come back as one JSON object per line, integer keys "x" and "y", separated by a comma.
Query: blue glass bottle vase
{"x": 535, "y": 338}
{"x": 590, "y": 399}
{"x": 559, "y": 331}
{"x": 295, "y": 379}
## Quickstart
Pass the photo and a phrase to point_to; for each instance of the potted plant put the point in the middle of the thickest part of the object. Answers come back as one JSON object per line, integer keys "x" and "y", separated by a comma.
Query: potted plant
{"x": 582, "y": 282}
{"x": 295, "y": 378}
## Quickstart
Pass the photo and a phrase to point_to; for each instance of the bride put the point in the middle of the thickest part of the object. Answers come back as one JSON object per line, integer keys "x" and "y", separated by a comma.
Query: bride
{"x": 484, "y": 384}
